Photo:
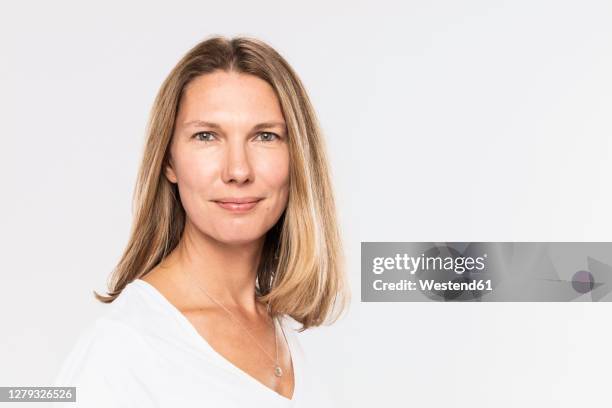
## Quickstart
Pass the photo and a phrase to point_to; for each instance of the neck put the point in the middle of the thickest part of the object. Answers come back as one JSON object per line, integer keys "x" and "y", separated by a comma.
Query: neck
{"x": 226, "y": 272}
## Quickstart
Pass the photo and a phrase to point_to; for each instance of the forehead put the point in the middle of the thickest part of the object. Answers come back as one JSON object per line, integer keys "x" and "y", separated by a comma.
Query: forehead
{"x": 221, "y": 95}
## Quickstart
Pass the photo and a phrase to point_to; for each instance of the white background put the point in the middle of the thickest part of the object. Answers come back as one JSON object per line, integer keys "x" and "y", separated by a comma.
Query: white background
{"x": 445, "y": 121}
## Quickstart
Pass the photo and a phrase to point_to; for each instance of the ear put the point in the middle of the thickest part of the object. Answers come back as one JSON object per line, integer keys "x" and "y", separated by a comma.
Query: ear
{"x": 169, "y": 171}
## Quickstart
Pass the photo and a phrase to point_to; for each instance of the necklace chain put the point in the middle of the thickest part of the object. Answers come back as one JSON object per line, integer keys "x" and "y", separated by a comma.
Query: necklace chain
{"x": 277, "y": 369}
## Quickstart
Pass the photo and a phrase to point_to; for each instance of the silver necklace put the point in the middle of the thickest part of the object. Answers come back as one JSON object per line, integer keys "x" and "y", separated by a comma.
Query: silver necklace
{"x": 278, "y": 371}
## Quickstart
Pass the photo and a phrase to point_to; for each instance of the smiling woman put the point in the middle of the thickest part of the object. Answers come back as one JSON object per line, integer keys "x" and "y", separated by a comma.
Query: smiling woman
{"x": 225, "y": 154}
{"x": 234, "y": 243}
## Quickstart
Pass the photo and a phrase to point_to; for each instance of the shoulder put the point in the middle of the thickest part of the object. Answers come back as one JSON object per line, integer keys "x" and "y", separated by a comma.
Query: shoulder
{"x": 98, "y": 347}
{"x": 115, "y": 337}
{"x": 313, "y": 390}
{"x": 102, "y": 362}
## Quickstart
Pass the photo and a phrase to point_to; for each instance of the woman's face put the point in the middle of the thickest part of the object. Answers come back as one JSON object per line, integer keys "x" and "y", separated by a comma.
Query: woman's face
{"x": 230, "y": 143}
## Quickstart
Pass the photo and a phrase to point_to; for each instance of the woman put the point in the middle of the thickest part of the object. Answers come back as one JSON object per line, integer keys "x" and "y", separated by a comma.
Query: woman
{"x": 234, "y": 240}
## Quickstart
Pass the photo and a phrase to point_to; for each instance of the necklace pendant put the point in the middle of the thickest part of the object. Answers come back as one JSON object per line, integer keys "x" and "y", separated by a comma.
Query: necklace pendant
{"x": 278, "y": 371}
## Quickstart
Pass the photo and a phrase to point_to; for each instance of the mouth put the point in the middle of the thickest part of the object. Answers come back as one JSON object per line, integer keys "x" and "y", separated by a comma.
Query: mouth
{"x": 239, "y": 205}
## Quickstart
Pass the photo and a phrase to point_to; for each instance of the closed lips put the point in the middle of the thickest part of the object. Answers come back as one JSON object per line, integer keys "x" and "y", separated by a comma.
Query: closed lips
{"x": 244, "y": 206}
{"x": 238, "y": 200}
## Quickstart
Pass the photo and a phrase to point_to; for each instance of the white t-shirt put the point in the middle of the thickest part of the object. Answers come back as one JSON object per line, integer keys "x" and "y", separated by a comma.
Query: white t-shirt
{"x": 143, "y": 352}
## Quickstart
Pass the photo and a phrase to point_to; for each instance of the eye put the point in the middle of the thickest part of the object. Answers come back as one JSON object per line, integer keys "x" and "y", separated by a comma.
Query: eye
{"x": 205, "y": 134}
{"x": 268, "y": 136}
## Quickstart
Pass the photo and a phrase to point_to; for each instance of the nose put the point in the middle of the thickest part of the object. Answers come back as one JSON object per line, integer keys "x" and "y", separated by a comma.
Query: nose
{"x": 237, "y": 167}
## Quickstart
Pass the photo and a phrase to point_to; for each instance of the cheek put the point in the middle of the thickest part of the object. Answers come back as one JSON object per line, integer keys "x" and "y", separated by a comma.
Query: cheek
{"x": 275, "y": 173}
{"x": 195, "y": 178}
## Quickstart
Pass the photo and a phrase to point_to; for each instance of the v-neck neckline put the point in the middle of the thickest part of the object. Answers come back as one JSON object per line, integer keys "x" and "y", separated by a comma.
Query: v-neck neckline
{"x": 201, "y": 341}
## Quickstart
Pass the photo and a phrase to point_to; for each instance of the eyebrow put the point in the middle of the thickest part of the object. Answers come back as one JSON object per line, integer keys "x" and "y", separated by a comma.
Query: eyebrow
{"x": 263, "y": 125}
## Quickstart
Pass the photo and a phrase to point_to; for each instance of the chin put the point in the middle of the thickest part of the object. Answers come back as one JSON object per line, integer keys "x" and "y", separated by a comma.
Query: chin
{"x": 237, "y": 239}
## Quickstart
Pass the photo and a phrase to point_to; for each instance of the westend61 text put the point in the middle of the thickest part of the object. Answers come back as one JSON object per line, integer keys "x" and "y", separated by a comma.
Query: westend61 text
{"x": 429, "y": 285}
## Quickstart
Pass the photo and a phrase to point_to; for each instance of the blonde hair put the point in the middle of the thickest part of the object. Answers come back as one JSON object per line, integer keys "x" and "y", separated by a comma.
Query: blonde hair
{"x": 302, "y": 267}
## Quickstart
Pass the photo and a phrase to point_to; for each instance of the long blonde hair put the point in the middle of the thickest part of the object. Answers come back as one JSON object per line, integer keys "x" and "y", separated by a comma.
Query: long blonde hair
{"x": 302, "y": 267}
